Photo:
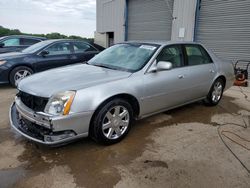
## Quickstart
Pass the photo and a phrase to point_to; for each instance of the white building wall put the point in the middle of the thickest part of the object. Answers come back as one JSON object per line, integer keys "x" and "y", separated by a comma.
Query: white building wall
{"x": 111, "y": 18}
{"x": 184, "y": 20}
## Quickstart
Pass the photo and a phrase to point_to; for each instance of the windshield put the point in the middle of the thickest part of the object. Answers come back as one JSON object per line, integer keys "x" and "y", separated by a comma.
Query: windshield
{"x": 127, "y": 57}
{"x": 36, "y": 47}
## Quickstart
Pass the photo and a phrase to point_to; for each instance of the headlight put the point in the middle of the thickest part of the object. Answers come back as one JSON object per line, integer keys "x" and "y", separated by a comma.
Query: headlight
{"x": 2, "y": 62}
{"x": 60, "y": 103}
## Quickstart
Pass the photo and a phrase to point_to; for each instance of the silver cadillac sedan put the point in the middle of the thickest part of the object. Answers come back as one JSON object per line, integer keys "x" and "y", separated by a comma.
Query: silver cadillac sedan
{"x": 125, "y": 82}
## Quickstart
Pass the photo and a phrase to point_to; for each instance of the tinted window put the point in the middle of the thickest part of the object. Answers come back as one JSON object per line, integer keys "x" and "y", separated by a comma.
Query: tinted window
{"x": 12, "y": 42}
{"x": 28, "y": 42}
{"x": 196, "y": 55}
{"x": 171, "y": 54}
{"x": 80, "y": 47}
{"x": 59, "y": 48}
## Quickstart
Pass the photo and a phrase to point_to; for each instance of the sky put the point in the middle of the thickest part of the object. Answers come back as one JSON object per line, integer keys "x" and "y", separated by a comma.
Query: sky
{"x": 69, "y": 17}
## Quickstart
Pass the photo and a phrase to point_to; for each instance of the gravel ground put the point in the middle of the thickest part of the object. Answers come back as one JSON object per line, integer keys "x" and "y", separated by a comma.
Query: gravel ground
{"x": 178, "y": 148}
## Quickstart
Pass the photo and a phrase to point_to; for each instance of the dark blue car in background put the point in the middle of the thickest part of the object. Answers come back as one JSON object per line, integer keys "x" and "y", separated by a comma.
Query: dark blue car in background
{"x": 16, "y": 43}
{"x": 43, "y": 56}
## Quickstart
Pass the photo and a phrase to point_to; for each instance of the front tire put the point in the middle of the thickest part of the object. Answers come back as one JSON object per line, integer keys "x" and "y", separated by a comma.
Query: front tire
{"x": 112, "y": 122}
{"x": 18, "y": 73}
{"x": 215, "y": 94}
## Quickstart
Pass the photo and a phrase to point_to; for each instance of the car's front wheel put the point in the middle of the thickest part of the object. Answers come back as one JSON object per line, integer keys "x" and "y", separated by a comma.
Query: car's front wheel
{"x": 215, "y": 94}
{"x": 18, "y": 73}
{"x": 112, "y": 122}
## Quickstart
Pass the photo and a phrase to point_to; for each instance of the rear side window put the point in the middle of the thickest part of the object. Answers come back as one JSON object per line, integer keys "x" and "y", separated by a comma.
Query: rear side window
{"x": 28, "y": 42}
{"x": 172, "y": 54}
{"x": 196, "y": 55}
{"x": 80, "y": 47}
{"x": 12, "y": 42}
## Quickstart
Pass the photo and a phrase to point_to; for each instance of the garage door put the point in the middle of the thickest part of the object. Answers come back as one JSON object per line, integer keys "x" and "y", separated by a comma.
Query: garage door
{"x": 150, "y": 19}
{"x": 224, "y": 27}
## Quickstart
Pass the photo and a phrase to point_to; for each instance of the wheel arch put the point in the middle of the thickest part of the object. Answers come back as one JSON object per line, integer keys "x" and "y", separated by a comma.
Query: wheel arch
{"x": 132, "y": 100}
{"x": 20, "y": 65}
{"x": 223, "y": 78}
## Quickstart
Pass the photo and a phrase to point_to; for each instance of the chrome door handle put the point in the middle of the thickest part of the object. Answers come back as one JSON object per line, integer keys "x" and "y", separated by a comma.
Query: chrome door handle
{"x": 212, "y": 71}
{"x": 181, "y": 76}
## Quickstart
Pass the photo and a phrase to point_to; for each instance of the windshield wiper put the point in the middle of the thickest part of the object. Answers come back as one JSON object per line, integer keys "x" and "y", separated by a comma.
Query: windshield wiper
{"x": 104, "y": 66}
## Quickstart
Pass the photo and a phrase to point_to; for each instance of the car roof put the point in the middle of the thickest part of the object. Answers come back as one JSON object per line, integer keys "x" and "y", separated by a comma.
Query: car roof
{"x": 26, "y": 36}
{"x": 67, "y": 40}
{"x": 162, "y": 42}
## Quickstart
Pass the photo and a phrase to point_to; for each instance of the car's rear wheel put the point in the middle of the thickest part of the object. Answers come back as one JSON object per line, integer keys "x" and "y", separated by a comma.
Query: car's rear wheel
{"x": 215, "y": 94}
{"x": 112, "y": 122}
{"x": 18, "y": 73}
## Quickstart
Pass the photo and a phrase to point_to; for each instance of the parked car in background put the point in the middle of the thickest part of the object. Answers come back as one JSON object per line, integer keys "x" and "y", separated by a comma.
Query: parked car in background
{"x": 16, "y": 43}
{"x": 127, "y": 81}
{"x": 43, "y": 56}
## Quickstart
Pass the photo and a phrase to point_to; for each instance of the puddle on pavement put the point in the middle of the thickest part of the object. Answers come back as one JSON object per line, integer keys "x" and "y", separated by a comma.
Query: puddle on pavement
{"x": 93, "y": 165}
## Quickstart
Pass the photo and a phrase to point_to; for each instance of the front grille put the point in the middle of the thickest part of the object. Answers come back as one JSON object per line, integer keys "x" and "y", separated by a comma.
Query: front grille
{"x": 33, "y": 129}
{"x": 33, "y": 102}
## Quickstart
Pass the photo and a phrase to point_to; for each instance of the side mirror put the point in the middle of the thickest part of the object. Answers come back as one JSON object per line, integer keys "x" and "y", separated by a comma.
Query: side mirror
{"x": 1, "y": 44}
{"x": 164, "y": 65}
{"x": 44, "y": 53}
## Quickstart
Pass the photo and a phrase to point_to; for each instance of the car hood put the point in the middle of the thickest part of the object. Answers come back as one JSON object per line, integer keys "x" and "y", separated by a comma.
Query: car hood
{"x": 74, "y": 77}
{"x": 12, "y": 55}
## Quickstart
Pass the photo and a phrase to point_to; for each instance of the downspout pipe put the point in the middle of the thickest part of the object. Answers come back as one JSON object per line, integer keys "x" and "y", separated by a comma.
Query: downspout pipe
{"x": 197, "y": 15}
{"x": 126, "y": 20}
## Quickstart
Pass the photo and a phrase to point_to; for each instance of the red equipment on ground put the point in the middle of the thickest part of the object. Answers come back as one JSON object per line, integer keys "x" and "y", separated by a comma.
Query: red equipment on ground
{"x": 241, "y": 73}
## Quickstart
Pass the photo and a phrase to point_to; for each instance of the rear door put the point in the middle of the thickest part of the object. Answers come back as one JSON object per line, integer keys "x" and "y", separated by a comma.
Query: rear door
{"x": 201, "y": 68}
{"x": 59, "y": 54}
{"x": 83, "y": 52}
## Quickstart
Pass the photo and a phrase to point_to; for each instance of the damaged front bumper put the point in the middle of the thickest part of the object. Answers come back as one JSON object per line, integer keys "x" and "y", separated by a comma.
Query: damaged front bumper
{"x": 44, "y": 129}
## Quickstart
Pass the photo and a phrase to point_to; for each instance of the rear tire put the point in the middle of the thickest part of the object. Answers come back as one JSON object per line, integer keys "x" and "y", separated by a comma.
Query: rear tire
{"x": 19, "y": 73}
{"x": 112, "y": 122}
{"x": 215, "y": 94}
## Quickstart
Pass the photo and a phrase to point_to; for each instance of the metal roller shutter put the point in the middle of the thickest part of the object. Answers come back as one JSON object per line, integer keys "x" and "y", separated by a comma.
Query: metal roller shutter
{"x": 150, "y": 19}
{"x": 224, "y": 27}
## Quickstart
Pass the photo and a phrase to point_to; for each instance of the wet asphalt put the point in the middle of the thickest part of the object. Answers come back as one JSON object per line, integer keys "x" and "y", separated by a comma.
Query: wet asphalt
{"x": 178, "y": 148}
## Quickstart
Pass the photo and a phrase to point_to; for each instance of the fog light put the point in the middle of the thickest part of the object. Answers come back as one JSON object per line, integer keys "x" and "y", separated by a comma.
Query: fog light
{"x": 58, "y": 137}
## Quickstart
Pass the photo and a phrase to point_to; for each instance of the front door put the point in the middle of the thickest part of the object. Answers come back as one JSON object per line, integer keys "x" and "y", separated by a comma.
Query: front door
{"x": 59, "y": 54}
{"x": 166, "y": 89}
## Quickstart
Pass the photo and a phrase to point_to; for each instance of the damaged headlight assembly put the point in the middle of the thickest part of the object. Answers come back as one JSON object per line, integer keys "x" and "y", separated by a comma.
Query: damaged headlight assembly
{"x": 60, "y": 103}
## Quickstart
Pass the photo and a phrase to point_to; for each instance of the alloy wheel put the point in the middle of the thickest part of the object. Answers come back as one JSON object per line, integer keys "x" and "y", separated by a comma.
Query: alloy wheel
{"x": 19, "y": 75}
{"x": 115, "y": 122}
{"x": 217, "y": 92}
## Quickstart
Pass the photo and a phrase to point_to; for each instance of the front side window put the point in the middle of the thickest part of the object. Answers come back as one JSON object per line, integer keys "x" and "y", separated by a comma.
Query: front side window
{"x": 12, "y": 42}
{"x": 172, "y": 54}
{"x": 59, "y": 49}
{"x": 80, "y": 47}
{"x": 196, "y": 55}
{"x": 129, "y": 57}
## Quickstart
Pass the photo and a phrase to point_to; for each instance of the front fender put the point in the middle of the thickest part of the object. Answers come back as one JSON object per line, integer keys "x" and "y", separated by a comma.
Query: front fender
{"x": 89, "y": 99}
